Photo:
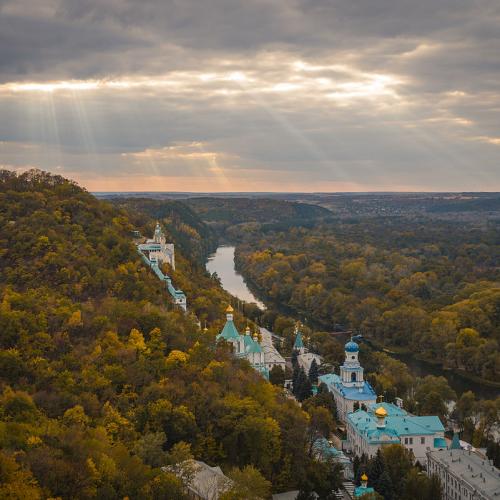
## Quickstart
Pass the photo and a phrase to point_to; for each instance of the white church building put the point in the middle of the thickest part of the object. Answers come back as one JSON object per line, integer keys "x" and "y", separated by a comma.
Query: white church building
{"x": 157, "y": 248}
{"x": 157, "y": 251}
{"x": 349, "y": 387}
{"x": 246, "y": 346}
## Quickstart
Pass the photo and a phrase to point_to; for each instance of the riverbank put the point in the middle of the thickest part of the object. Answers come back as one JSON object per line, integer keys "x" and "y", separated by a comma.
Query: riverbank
{"x": 459, "y": 380}
{"x": 222, "y": 263}
{"x": 419, "y": 366}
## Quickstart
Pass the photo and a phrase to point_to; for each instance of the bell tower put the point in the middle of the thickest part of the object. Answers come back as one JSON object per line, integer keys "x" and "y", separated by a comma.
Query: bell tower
{"x": 351, "y": 372}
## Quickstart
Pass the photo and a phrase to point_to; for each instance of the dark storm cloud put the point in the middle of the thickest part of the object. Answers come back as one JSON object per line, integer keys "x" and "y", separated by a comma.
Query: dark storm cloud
{"x": 110, "y": 36}
{"x": 330, "y": 90}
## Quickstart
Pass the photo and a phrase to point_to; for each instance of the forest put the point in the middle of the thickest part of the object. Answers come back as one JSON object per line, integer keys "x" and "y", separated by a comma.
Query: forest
{"x": 291, "y": 268}
{"x": 432, "y": 288}
{"x": 192, "y": 236}
{"x": 103, "y": 381}
{"x": 222, "y": 214}
{"x": 107, "y": 390}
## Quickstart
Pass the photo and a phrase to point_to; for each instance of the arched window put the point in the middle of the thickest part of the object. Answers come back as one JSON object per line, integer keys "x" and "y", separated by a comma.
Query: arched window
{"x": 353, "y": 377}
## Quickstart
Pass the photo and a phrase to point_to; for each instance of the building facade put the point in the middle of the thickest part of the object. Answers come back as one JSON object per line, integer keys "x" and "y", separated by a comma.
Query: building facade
{"x": 349, "y": 387}
{"x": 244, "y": 346}
{"x": 383, "y": 424}
{"x": 272, "y": 357}
{"x": 155, "y": 252}
{"x": 464, "y": 474}
{"x": 158, "y": 249}
{"x": 304, "y": 357}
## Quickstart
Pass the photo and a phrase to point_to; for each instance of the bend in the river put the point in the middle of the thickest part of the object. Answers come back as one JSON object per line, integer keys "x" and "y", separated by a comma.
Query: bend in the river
{"x": 222, "y": 263}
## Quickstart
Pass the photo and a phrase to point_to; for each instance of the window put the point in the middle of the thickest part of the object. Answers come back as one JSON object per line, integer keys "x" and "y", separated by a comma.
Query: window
{"x": 406, "y": 440}
{"x": 422, "y": 440}
{"x": 411, "y": 440}
{"x": 353, "y": 377}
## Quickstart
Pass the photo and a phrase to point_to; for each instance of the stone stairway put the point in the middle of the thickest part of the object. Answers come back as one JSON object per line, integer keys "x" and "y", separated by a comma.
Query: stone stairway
{"x": 349, "y": 488}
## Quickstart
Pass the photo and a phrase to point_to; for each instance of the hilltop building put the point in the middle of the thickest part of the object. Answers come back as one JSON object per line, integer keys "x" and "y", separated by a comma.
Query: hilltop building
{"x": 156, "y": 251}
{"x": 464, "y": 474}
{"x": 244, "y": 346}
{"x": 384, "y": 424}
{"x": 349, "y": 387}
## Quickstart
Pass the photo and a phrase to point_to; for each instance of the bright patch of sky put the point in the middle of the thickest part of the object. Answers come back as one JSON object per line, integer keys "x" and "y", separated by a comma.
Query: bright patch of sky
{"x": 261, "y": 95}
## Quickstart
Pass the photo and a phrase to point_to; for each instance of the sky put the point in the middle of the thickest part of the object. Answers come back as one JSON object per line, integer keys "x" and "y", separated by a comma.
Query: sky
{"x": 253, "y": 95}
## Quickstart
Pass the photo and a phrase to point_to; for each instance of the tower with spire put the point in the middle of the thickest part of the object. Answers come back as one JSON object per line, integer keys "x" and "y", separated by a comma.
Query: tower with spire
{"x": 305, "y": 358}
{"x": 158, "y": 249}
{"x": 229, "y": 333}
{"x": 244, "y": 346}
{"x": 349, "y": 387}
{"x": 363, "y": 488}
{"x": 299, "y": 343}
{"x": 351, "y": 372}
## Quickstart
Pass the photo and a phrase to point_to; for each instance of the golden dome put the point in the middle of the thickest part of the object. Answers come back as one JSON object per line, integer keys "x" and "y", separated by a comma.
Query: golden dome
{"x": 381, "y": 412}
{"x": 229, "y": 309}
{"x": 364, "y": 477}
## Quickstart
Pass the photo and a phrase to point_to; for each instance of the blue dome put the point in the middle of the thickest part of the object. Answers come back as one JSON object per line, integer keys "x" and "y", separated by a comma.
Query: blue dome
{"x": 351, "y": 346}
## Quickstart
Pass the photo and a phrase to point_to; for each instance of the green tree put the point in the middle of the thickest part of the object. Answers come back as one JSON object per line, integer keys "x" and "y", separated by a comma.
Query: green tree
{"x": 417, "y": 486}
{"x": 313, "y": 372}
{"x": 277, "y": 376}
{"x": 398, "y": 462}
{"x": 376, "y": 467}
{"x": 465, "y": 406}
{"x": 384, "y": 486}
{"x": 320, "y": 425}
{"x": 164, "y": 485}
{"x": 16, "y": 483}
{"x": 249, "y": 484}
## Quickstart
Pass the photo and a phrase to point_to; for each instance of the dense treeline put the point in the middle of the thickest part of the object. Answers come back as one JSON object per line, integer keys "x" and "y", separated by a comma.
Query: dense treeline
{"x": 224, "y": 214}
{"x": 429, "y": 287}
{"x": 102, "y": 381}
{"x": 393, "y": 475}
{"x": 475, "y": 419}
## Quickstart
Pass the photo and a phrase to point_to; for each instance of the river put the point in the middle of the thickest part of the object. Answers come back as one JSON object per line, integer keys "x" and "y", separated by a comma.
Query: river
{"x": 222, "y": 263}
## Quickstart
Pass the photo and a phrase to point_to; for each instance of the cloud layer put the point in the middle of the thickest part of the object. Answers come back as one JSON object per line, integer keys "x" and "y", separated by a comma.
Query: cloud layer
{"x": 255, "y": 95}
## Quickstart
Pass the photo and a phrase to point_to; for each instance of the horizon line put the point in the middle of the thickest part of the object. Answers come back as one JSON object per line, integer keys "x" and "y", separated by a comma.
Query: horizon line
{"x": 294, "y": 192}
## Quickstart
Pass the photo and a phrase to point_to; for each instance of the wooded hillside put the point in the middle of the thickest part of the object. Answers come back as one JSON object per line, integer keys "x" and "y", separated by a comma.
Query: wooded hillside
{"x": 102, "y": 380}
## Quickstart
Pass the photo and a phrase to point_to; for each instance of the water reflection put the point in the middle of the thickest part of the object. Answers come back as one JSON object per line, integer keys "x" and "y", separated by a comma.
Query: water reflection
{"x": 222, "y": 263}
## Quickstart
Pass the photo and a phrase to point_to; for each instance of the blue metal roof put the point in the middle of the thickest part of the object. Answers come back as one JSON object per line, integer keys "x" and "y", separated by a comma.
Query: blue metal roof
{"x": 360, "y": 491}
{"x": 392, "y": 410}
{"x": 398, "y": 423}
{"x": 229, "y": 332}
{"x": 351, "y": 346}
{"x": 323, "y": 448}
{"x": 298, "y": 341}
{"x": 254, "y": 347}
{"x": 329, "y": 378}
{"x": 247, "y": 341}
{"x": 334, "y": 383}
{"x": 455, "y": 442}
{"x": 176, "y": 294}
